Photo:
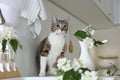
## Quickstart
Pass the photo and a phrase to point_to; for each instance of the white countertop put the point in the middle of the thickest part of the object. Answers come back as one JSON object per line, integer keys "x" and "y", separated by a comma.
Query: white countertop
{"x": 31, "y": 78}
{"x": 53, "y": 78}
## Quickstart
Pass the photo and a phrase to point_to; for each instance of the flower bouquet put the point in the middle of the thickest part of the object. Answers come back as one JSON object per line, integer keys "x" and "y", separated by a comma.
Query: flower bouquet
{"x": 9, "y": 46}
{"x": 75, "y": 72}
{"x": 8, "y": 37}
{"x": 87, "y": 41}
{"x": 86, "y": 34}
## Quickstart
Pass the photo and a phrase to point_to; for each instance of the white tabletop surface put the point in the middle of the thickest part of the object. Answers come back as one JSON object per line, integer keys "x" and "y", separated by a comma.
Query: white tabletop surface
{"x": 53, "y": 78}
{"x": 31, "y": 78}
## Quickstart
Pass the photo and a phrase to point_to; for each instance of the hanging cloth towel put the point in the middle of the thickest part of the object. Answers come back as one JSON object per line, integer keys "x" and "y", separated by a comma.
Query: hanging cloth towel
{"x": 34, "y": 11}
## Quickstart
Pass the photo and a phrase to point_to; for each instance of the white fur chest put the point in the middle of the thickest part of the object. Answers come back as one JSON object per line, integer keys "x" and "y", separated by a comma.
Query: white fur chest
{"x": 57, "y": 43}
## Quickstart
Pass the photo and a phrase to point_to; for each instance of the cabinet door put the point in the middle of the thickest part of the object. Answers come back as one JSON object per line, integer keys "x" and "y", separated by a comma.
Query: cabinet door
{"x": 106, "y": 6}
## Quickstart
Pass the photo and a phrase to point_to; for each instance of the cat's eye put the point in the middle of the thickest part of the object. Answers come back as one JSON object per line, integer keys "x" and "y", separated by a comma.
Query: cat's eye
{"x": 64, "y": 26}
{"x": 58, "y": 26}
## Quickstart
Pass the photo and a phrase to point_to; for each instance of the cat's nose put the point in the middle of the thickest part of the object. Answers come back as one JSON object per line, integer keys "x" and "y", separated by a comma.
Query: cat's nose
{"x": 59, "y": 30}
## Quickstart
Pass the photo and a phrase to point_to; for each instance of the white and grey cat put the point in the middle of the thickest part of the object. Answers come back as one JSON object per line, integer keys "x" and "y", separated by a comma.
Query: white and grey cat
{"x": 52, "y": 47}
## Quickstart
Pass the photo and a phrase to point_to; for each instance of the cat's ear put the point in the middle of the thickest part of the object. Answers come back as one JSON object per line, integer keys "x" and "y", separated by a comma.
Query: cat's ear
{"x": 68, "y": 19}
{"x": 54, "y": 19}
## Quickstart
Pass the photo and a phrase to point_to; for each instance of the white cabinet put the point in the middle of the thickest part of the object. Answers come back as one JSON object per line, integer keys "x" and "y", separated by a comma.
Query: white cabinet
{"x": 110, "y": 8}
{"x": 107, "y": 7}
{"x": 116, "y": 11}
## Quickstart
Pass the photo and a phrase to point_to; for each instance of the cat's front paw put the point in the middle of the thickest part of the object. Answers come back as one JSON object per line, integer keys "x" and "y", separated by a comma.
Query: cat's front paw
{"x": 52, "y": 72}
{"x": 41, "y": 74}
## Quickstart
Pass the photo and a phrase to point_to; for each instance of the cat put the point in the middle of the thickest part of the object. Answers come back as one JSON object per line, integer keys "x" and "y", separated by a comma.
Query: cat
{"x": 52, "y": 47}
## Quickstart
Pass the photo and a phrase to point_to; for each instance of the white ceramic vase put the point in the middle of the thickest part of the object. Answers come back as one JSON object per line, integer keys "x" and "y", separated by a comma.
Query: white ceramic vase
{"x": 85, "y": 56}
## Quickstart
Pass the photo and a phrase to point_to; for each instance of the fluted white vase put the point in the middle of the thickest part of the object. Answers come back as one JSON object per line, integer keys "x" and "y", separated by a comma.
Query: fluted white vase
{"x": 85, "y": 56}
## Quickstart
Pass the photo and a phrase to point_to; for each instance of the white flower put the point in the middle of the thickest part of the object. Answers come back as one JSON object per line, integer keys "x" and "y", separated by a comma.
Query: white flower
{"x": 80, "y": 71}
{"x": 11, "y": 32}
{"x": 59, "y": 77}
{"x": 89, "y": 42}
{"x": 92, "y": 32}
{"x": 8, "y": 33}
{"x": 77, "y": 64}
{"x": 89, "y": 30}
{"x": 66, "y": 67}
{"x": 104, "y": 41}
{"x": 1, "y": 34}
{"x": 89, "y": 75}
{"x": 87, "y": 27}
{"x": 63, "y": 64}
{"x": 78, "y": 67}
{"x": 83, "y": 30}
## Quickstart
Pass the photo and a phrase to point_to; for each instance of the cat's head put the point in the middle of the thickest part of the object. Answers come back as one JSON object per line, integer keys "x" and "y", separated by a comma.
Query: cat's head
{"x": 59, "y": 26}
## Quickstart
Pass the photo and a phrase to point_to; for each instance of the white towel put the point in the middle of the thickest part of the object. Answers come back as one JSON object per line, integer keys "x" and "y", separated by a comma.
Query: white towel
{"x": 13, "y": 66}
{"x": 1, "y": 67}
{"x": 7, "y": 66}
{"x": 34, "y": 11}
{"x": 1, "y": 64}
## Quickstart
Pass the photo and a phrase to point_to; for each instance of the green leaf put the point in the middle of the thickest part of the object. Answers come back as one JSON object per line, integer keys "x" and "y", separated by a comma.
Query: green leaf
{"x": 60, "y": 72}
{"x": 96, "y": 43}
{"x": 85, "y": 69}
{"x": 81, "y": 35}
{"x": 4, "y": 42}
{"x": 19, "y": 45}
{"x": 14, "y": 44}
{"x": 71, "y": 75}
{"x": 114, "y": 66}
{"x": 108, "y": 72}
{"x": 76, "y": 75}
{"x": 68, "y": 76}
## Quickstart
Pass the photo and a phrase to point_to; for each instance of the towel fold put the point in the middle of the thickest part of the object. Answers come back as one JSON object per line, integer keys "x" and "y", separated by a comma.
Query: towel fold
{"x": 7, "y": 66}
{"x": 42, "y": 13}
{"x": 1, "y": 67}
{"x": 13, "y": 66}
{"x": 34, "y": 11}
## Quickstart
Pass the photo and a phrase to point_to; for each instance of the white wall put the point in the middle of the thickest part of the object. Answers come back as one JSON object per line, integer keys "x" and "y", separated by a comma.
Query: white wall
{"x": 112, "y": 48}
{"x": 25, "y": 58}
